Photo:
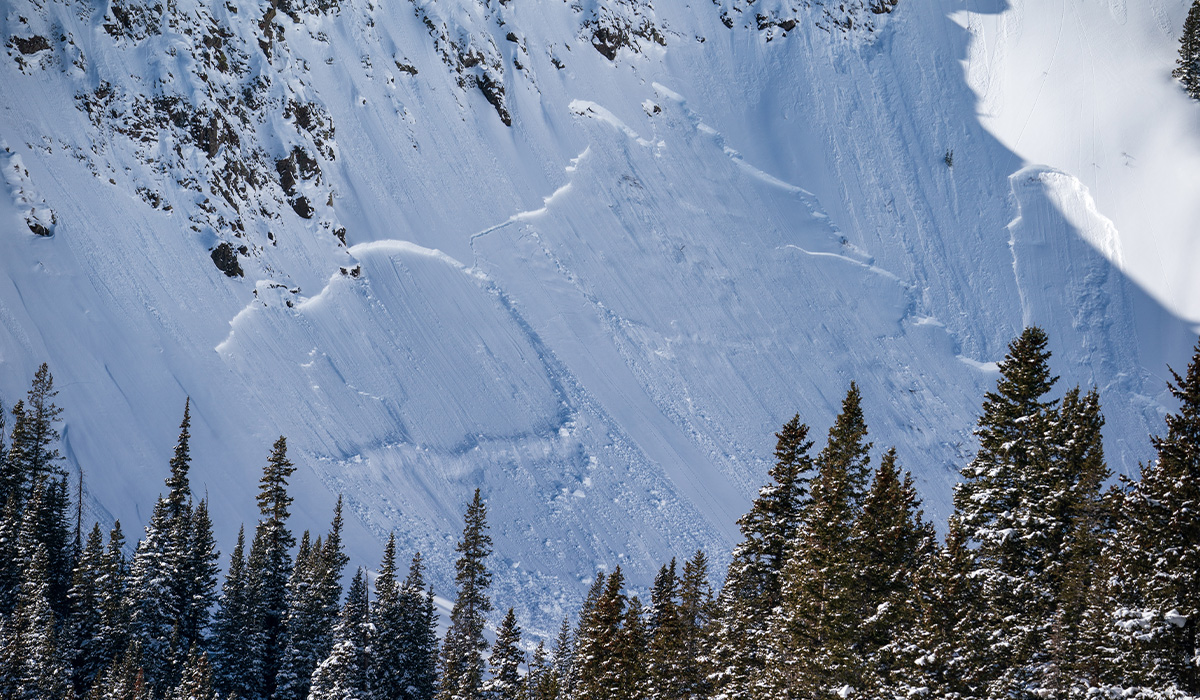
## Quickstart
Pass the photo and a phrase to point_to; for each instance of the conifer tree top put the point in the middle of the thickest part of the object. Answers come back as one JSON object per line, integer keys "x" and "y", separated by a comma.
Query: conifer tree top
{"x": 1024, "y": 374}
{"x": 273, "y": 498}
{"x": 179, "y": 491}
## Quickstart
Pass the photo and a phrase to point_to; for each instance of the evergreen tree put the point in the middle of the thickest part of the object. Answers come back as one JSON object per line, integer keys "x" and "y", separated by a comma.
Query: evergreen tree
{"x": 344, "y": 674}
{"x": 269, "y": 566}
{"x": 462, "y": 650}
{"x": 113, "y": 635}
{"x": 631, "y": 671}
{"x": 1074, "y": 551}
{"x": 31, "y": 664}
{"x": 4, "y": 487}
{"x": 505, "y": 663}
{"x": 890, "y": 544}
{"x": 198, "y": 566}
{"x": 172, "y": 579}
{"x": 1188, "y": 71}
{"x": 179, "y": 491}
{"x": 811, "y": 650}
{"x": 314, "y": 591}
{"x": 44, "y": 523}
{"x": 1160, "y": 567}
{"x": 89, "y": 655}
{"x": 999, "y": 506}
{"x": 32, "y": 455}
{"x": 847, "y": 449}
{"x": 10, "y": 555}
{"x": 124, "y": 680}
{"x": 541, "y": 683}
{"x": 237, "y": 631}
{"x": 562, "y": 661}
{"x": 599, "y": 645}
{"x": 151, "y": 600}
{"x": 935, "y": 654}
{"x": 195, "y": 682}
{"x": 752, "y": 584}
{"x": 388, "y": 662}
{"x": 696, "y": 611}
{"x": 666, "y": 655}
{"x": 12, "y": 467}
{"x": 418, "y": 636}
{"x": 299, "y": 657}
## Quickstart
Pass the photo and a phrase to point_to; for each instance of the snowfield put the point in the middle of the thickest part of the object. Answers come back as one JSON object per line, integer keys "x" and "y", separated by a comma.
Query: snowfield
{"x": 600, "y": 313}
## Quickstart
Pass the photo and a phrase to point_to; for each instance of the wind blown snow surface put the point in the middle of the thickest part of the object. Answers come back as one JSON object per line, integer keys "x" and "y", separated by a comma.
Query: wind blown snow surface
{"x": 598, "y": 314}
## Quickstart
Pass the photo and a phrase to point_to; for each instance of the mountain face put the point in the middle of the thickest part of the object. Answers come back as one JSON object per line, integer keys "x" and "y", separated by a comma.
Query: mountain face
{"x": 587, "y": 255}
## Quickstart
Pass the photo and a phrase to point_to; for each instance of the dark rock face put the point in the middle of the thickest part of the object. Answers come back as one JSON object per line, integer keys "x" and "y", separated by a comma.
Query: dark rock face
{"x": 39, "y": 229}
{"x": 302, "y": 207}
{"x": 299, "y": 165}
{"x": 224, "y": 257}
{"x": 31, "y": 45}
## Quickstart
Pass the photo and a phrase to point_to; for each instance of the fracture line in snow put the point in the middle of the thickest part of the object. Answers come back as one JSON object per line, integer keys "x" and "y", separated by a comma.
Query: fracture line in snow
{"x": 866, "y": 265}
{"x": 809, "y": 199}
{"x": 546, "y": 201}
{"x": 586, "y": 108}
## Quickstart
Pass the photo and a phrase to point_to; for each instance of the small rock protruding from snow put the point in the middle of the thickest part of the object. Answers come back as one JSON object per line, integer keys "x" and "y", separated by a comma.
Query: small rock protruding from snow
{"x": 40, "y": 218}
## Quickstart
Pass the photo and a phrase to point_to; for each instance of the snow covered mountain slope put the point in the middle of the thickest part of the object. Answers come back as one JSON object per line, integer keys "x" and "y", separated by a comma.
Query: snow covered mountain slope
{"x": 1087, "y": 87}
{"x": 585, "y": 255}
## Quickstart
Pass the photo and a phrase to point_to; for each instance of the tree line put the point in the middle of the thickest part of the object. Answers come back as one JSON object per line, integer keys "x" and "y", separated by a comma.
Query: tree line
{"x": 1052, "y": 581}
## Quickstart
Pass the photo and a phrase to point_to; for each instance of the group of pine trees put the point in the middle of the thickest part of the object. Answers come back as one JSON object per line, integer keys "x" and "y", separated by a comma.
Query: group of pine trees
{"x": 80, "y": 618}
{"x": 1051, "y": 582}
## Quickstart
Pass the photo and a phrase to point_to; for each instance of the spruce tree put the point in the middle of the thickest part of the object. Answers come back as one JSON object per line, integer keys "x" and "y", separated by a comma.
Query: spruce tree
{"x": 200, "y": 565}
{"x": 696, "y": 609}
{"x": 1188, "y": 70}
{"x": 151, "y": 600}
{"x": 1159, "y": 608}
{"x": 344, "y": 674}
{"x": 113, "y": 635}
{"x": 269, "y": 565}
{"x": 89, "y": 655}
{"x": 179, "y": 491}
{"x": 418, "y": 649}
{"x": 237, "y": 631}
{"x": 999, "y": 506}
{"x": 32, "y": 452}
{"x": 811, "y": 646}
{"x": 847, "y": 449}
{"x": 505, "y": 663}
{"x": 935, "y": 655}
{"x": 541, "y": 683}
{"x": 462, "y": 650}
{"x": 31, "y": 662}
{"x": 562, "y": 662}
{"x": 44, "y": 522}
{"x": 890, "y": 544}
{"x": 314, "y": 591}
{"x": 3, "y": 454}
{"x": 666, "y": 654}
{"x": 10, "y": 557}
{"x": 299, "y": 656}
{"x": 600, "y": 641}
{"x": 195, "y": 681}
{"x": 172, "y": 581}
{"x": 12, "y": 473}
{"x": 387, "y": 668}
{"x": 752, "y": 584}
{"x": 1073, "y": 554}
{"x": 630, "y": 656}
{"x": 124, "y": 679}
